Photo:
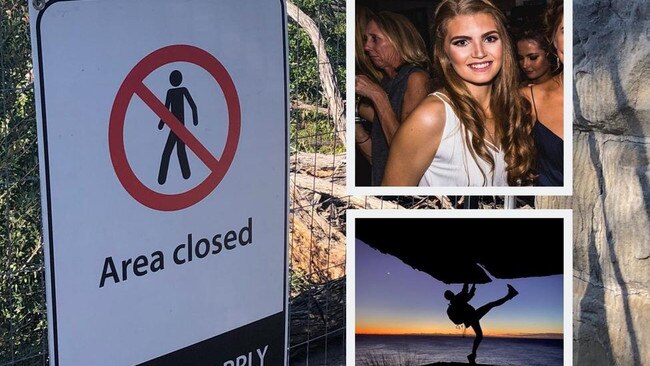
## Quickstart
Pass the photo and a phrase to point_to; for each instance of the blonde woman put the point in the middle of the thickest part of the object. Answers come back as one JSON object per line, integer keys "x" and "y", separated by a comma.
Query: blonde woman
{"x": 396, "y": 49}
{"x": 363, "y": 66}
{"x": 476, "y": 131}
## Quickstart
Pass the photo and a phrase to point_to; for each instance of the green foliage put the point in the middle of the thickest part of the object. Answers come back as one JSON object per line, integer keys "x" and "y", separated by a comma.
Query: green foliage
{"x": 311, "y": 131}
{"x": 298, "y": 282}
{"x": 22, "y": 294}
{"x": 303, "y": 66}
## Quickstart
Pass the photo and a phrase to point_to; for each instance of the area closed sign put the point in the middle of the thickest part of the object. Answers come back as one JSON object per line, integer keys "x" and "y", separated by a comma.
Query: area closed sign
{"x": 163, "y": 153}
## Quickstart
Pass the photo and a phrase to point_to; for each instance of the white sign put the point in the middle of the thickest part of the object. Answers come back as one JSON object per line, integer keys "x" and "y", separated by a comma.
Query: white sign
{"x": 163, "y": 155}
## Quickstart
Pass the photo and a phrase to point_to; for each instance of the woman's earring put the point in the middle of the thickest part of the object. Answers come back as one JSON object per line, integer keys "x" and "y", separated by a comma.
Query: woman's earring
{"x": 558, "y": 63}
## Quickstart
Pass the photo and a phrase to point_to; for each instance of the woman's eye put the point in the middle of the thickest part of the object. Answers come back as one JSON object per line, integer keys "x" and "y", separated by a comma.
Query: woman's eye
{"x": 491, "y": 39}
{"x": 533, "y": 58}
{"x": 460, "y": 42}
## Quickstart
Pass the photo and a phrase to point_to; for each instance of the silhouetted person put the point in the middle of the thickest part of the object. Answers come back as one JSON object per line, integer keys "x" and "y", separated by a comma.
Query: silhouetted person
{"x": 175, "y": 102}
{"x": 461, "y": 312}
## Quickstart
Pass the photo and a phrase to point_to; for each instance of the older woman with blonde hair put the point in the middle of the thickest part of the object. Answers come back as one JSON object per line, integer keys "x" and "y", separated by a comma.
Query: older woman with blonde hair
{"x": 476, "y": 131}
{"x": 362, "y": 62}
{"x": 396, "y": 49}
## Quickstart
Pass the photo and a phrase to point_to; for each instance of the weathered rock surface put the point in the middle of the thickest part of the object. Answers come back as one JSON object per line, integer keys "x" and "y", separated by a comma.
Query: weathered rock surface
{"x": 611, "y": 265}
{"x": 611, "y": 198}
{"x": 611, "y": 66}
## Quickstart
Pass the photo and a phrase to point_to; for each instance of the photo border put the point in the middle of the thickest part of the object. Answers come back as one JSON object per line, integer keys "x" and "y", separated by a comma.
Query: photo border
{"x": 565, "y": 190}
{"x": 353, "y": 214}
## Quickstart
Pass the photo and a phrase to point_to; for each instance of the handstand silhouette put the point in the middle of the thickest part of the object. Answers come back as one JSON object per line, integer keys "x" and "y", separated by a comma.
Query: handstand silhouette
{"x": 175, "y": 103}
{"x": 461, "y": 312}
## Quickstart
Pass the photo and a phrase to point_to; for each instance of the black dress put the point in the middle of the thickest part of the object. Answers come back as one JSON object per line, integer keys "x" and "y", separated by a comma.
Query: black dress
{"x": 395, "y": 88}
{"x": 550, "y": 153}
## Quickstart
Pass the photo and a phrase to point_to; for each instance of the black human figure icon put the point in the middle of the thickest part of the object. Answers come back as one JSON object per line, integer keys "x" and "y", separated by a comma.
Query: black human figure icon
{"x": 175, "y": 102}
{"x": 461, "y": 312}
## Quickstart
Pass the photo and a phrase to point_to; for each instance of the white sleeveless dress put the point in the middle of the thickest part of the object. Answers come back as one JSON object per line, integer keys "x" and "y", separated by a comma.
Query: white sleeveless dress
{"x": 454, "y": 166}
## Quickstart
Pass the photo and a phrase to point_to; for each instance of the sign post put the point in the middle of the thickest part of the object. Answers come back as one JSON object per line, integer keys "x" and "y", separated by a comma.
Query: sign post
{"x": 163, "y": 154}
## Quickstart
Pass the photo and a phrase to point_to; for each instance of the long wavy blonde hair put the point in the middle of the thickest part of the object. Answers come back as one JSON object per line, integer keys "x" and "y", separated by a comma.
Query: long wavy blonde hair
{"x": 513, "y": 125}
{"x": 363, "y": 64}
{"x": 403, "y": 35}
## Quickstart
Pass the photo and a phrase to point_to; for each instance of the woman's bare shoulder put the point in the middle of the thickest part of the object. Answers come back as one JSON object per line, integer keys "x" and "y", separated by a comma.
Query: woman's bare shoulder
{"x": 433, "y": 103}
{"x": 551, "y": 86}
{"x": 525, "y": 91}
{"x": 419, "y": 75}
{"x": 420, "y": 78}
{"x": 429, "y": 114}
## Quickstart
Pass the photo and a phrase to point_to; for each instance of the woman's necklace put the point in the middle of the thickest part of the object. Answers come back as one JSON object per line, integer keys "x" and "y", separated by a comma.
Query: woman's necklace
{"x": 491, "y": 136}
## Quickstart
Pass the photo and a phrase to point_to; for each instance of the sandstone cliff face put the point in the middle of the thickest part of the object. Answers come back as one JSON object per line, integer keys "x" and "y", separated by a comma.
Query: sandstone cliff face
{"x": 611, "y": 200}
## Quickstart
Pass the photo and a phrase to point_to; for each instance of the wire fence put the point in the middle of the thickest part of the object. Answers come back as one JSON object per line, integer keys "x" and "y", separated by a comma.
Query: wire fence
{"x": 318, "y": 200}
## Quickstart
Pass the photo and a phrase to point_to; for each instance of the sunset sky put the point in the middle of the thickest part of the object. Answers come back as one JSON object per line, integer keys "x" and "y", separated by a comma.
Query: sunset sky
{"x": 393, "y": 298}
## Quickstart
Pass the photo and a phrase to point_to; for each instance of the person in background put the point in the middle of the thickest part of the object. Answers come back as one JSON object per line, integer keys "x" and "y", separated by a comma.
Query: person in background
{"x": 476, "y": 131}
{"x": 535, "y": 55}
{"x": 396, "y": 49}
{"x": 363, "y": 66}
{"x": 547, "y": 112}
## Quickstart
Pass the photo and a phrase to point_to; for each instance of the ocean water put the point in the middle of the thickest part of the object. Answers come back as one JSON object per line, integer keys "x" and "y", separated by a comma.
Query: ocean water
{"x": 414, "y": 350}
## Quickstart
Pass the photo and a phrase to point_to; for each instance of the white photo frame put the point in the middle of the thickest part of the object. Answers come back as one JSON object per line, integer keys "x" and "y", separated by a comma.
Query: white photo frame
{"x": 565, "y": 190}
{"x": 565, "y": 215}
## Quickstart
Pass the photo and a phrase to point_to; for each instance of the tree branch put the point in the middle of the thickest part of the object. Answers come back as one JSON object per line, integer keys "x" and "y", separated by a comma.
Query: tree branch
{"x": 335, "y": 103}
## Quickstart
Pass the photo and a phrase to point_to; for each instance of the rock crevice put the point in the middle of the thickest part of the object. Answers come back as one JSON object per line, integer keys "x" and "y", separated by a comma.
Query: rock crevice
{"x": 611, "y": 196}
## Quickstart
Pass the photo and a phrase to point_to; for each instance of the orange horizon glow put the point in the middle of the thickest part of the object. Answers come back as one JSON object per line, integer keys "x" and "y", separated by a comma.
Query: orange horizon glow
{"x": 471, "y": 334}
{"x": 451, "y": 331}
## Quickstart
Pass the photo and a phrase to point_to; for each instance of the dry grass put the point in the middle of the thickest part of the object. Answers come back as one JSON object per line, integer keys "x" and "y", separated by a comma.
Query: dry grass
{"x": 383, "y": 359}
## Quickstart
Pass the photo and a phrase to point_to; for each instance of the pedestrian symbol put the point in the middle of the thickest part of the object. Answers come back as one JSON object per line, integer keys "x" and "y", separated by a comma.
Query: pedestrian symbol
{"x": 175, "y": 102}
{"x": 171, "y": 113}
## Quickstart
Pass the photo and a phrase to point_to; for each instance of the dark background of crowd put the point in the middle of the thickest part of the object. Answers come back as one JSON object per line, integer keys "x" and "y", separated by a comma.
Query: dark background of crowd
{"x": 420, "y": 12}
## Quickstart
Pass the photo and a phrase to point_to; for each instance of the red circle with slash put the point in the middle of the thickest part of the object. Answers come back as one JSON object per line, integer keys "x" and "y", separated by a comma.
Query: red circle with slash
{"x": 133, "y": 85}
